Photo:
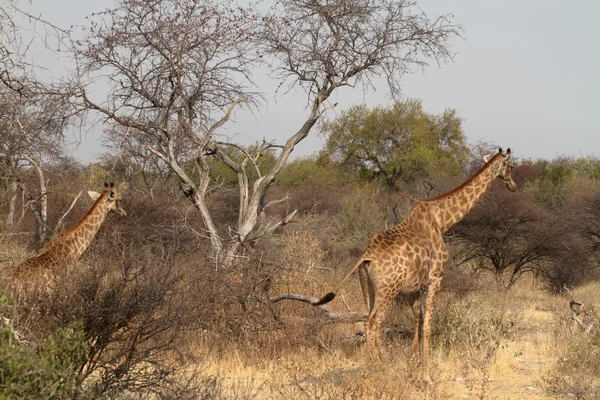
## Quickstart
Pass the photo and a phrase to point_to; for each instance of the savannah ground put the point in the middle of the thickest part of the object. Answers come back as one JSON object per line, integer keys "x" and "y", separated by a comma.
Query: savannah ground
{"x": 487, "y": 345}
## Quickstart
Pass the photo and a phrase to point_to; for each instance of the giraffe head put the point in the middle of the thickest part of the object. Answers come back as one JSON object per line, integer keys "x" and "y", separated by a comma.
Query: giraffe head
{"x": 505, "y": 168}
{"x": 112, "y": 198}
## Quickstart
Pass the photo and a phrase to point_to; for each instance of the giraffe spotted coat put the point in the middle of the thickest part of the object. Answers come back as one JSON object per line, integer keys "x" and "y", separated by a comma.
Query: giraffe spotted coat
{"x": 409, "y": 258}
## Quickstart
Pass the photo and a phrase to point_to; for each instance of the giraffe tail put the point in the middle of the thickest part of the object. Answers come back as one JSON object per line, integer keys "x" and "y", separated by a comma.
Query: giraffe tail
{"x": 330, "y": 296}
{"x": 325, "y": 299}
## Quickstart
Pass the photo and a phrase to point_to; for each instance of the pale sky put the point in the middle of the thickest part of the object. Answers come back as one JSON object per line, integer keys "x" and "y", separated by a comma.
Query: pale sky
{"x": 526, "y": 75}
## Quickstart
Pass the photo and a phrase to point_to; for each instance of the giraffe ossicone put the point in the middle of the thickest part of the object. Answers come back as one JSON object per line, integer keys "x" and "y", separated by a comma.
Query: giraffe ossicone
{"x": 409, "y": 258}
{"x": 67, "y": 247}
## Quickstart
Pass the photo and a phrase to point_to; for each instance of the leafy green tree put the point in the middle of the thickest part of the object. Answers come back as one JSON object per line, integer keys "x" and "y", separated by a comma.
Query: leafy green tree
{"x": 590, "y": 166}
{"x": 551, "y": 189}
{"x": 310, "y": 170}
{"x": 557, "y": 171}
{"x": 400, "y": 143}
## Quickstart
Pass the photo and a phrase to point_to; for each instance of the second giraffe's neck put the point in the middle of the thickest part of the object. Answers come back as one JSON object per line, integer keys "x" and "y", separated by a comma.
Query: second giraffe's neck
{"x": 447, "y": 209}
{"x": 83, "y": 232}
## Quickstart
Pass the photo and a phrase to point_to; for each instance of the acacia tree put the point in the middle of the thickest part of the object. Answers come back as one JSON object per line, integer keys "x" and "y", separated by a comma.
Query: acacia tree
{"x": 401, "y": 142}
{"x": 518, "y": 236}
{"x": 179, "y": 68}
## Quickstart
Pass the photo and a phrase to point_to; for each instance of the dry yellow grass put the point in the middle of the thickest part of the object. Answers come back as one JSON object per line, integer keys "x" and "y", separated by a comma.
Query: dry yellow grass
{"x": 486, "y": 345}
{"x": 526, "y": 335}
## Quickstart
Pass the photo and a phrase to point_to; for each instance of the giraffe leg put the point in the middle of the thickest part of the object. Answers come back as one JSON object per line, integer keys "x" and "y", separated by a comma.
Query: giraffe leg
{"x": 368, "y": 290}
{"x": 373, "y": 328}
{"x": 415, "y": 305}
{"x": 365, "y": 285}
{"x": 427, "y": 307}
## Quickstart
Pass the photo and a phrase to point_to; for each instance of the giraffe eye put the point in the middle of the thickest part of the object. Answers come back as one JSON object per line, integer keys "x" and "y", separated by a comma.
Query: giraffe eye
{"x": 112, "y": 195}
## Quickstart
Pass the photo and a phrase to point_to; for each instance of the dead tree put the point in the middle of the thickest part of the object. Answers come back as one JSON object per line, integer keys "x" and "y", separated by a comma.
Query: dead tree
{"x": 31, "y": 135}
{"x": 15, "y": 68}
{"x": 33, "y": 113}
{"x": 178, "y": 69}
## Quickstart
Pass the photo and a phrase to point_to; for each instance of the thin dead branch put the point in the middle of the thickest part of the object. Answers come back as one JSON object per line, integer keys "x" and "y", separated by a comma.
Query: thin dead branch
{"x": 59, "y": 223}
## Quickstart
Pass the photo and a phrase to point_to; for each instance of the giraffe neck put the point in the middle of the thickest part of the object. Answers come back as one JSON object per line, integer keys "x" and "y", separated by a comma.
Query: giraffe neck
{"x": 81, "y": 235}
{"x": 449, "y": 208}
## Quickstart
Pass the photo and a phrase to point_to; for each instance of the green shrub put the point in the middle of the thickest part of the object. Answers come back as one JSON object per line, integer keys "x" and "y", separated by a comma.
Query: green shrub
{"x": 311, "y": 171}
{"x": 44, "y": 370}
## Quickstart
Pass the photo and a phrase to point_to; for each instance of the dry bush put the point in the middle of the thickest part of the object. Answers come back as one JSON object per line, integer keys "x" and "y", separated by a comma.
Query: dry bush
{"x": 314, "y": 197}
{"x": 301, "y": 380}
{"x": 473, "y": 332}
{"x": 245, "y": 319}
{"x": 218, "y": 388}
{"x": 330, "y": 388}
{"x": 63, "y": 184}
{"x": 360, "y": 215}
{"x": 461, "y": 279}
{"x": 577, "y": 373}
{"x": 134, "y": 298}
{"x": 133, "y": 315}
{"x": 224, "y": 206}
{"x": 302, "y": 259}
{"x": 302, "y": 251}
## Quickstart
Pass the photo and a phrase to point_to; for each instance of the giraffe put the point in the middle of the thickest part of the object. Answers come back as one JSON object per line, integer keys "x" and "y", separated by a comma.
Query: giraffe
{"x": 67, "y": 247}
{"x": 409, "y": 258}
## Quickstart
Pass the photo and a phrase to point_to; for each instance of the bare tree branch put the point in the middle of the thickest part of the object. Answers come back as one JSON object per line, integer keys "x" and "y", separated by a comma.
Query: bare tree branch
{"x": 59, "y": 223}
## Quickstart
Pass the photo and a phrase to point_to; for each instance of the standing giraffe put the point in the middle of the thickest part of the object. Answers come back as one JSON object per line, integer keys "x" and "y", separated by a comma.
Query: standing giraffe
{"x": 409, "y": 258}
{"x": 67, "y": 247}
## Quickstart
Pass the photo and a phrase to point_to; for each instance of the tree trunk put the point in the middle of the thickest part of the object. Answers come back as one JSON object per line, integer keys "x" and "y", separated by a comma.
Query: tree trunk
{"x": 11, "y": 204}
{"x": 41, "y": 212}
{"x": 499, "y": 274}
{"x": 41, "y": 231}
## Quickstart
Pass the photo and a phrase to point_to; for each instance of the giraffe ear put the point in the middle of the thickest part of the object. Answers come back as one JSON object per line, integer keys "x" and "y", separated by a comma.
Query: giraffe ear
{"x": 93, "y": 195}
{"x": 487, "y": 157}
